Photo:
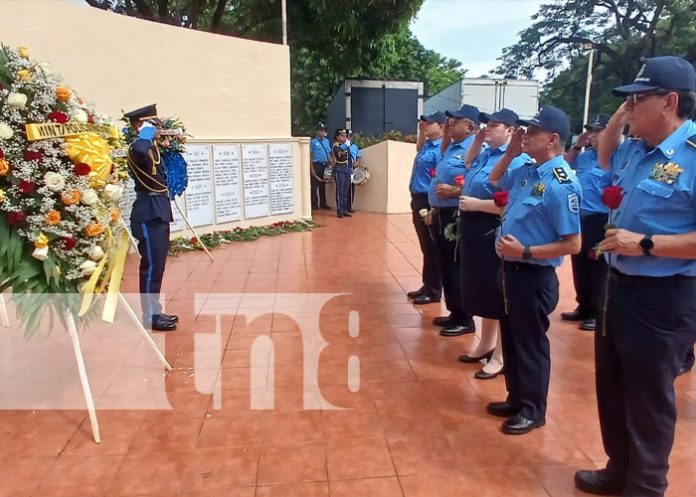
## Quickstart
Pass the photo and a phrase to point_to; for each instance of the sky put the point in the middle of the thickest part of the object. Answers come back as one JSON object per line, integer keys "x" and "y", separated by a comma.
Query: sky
{"x": 473, "y": 31}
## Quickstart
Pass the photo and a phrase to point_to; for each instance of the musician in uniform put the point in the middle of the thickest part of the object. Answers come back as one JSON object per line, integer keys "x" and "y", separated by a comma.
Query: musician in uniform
{"x": 342, "y": 169}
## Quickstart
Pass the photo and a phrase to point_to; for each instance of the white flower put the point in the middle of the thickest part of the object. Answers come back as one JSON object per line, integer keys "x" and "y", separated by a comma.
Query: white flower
{"x": 113, "y": 192}
{"x": 17, "y": 100}
{"x": 88, "y": 197}
{"x": 88, "y": 267}
{"x": 423, "y": 212}
{"x": 96, "y": 253}
{"x": 54, "y": 181}
{"x": 5, "y": 131}
{"x": 40, "y": 253}
{"x": 46, "y": 68}
{"x": 78, "y": 115}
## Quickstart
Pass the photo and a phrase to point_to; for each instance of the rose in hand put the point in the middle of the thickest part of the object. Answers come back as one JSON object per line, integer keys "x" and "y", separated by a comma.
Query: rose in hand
{"x": 509, "y": 246}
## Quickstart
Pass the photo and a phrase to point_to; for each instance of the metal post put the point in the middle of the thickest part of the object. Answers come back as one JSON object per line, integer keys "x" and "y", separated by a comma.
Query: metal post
{"x": 588, "y": 84}
{"x": 284, "y": 6}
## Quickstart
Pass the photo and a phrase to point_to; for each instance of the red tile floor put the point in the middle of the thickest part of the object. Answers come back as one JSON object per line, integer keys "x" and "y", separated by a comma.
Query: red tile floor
{"x": 416, "y": 427}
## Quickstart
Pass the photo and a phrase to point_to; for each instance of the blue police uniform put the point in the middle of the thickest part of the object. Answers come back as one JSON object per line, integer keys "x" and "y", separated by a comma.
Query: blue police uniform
{"x": 478, "y": 261}
{"x": 426, "y": 160}
{"x": 447, "y": 170}
{"x": 651, "y": 315}
{"x": 544, "y": 206}
{"x": 355, "y": 154}
{"x": 589, "y": 271}
{"x": 320, "y": 149}
{"x": 342, "y": 170}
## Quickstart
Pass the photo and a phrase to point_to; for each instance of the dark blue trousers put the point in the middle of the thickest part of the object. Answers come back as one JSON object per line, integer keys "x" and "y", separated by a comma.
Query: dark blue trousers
{"x": 651, "y": 323}
{"x": 153, "y": 245}
{"x": 532, "y": 294}
{"x": 343, "y": 192}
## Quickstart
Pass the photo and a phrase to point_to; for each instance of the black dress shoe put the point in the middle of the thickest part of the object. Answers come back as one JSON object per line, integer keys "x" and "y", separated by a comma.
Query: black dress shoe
{"x": 340, "y": 216}
{"x": 573, "y": 316}
{"x": 425, "y": 299}
{"x": 502, "y": 409}
{"x": 519, "y": 425}
{"x": 443, "y": 321}
{"x": 482, "y": 375}
{"x": 416, "y": 293}
{"x": 160, "y": 324}
{"x": 167, "y": 317}
{"x": 598, "y": 482}
{"x": 467, "y": 359}
{"x": 347, "y": 215}
{"x": 458, "y": 329}
{"x": 589, "y": 325}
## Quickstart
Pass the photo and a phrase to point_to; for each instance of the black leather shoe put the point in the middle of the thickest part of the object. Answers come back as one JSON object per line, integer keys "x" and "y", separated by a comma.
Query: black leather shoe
{"x": 502, "y": 409}
{"x": 519, "y": 425}
{"x": 160, "y": 324}
{"x": 167, "y": 317}
{"x": 352, "y": 211}
{"x": 482, "y": 375}
{"x": 458, "y": 329}
{"x": 443, "y": 321}
{"x": 589, "y": 325}
{"x": 416, "y": 293}
{"x": 347, "y": 215}
{"x": 598, "y": 482}
{"x": 425, "y": 299}
{"x": 467, "y": 359}
{"x": 573, "y": 316}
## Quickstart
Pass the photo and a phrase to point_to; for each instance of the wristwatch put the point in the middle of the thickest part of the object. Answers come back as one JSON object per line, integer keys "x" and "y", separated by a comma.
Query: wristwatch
{"x": 527, "y": 252}
{"x": 647, "y": 244}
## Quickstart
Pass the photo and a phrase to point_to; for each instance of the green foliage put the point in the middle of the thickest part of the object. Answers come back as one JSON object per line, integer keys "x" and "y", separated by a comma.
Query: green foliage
{"x": 364, "y": 141}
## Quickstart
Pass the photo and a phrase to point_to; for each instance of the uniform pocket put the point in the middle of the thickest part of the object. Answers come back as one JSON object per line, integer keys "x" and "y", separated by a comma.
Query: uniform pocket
{"x": 655, "y": 188}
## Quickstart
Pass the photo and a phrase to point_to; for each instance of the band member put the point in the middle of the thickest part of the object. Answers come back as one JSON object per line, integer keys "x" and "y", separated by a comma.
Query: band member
{"x": 342, "y": 169}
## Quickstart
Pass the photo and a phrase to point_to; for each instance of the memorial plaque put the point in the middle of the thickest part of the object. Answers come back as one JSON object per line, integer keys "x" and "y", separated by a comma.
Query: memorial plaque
{"x": 281, "y": 174}
{"x": 256, "y": 182}
{"x": 199, "y": 194}
{"x": 227, "y": 164}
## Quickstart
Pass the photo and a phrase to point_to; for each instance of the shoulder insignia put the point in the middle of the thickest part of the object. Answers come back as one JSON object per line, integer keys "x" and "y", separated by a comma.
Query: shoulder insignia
{"x": 561, "y": 175}
{"x": 691, "y": 141}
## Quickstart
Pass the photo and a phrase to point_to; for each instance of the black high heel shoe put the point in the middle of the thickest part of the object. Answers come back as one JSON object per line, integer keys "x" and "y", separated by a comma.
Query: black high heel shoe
{"x": 467, "y": 359}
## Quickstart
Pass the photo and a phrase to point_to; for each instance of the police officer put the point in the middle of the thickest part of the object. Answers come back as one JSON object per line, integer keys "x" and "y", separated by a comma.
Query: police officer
{"x": 540, "y": 225}
{"x": 355, "y": 155}
{"x": 342, "y": 169}
{"x": 651, "y": 307}
{"x": 443, "y": 195}
{"x": 478, "y": 221}
{"x": 428, "y": 154}
{"x": 320, "y": 155}
{"x": 589, "y": 270}
{"x": 150, "y": 216}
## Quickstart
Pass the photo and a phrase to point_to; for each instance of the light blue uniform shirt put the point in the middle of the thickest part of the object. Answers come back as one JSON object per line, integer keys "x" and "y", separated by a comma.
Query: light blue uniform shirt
{"x": 355, "y": 152}
{"x": 477, "y": 183}
{"x": 544, "y": 205}
{"x": 660, "y": 197}
{"x": 451, "y": 166}
{"x": 426, "y": 159}
{"x": 320, "y": 149}
{"x": 593, "y": 179}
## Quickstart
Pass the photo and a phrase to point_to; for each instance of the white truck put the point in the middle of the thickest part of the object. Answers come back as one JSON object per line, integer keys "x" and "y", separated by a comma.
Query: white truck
{"x": 489, "y": 95}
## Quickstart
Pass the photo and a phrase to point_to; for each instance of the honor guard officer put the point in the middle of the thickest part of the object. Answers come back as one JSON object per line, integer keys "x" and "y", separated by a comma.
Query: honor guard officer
{"x": 589, "y": 270}
{"x": 443, "y": 196}
{"x": 651, "y": 308}
{"x": 541, "y": 224}
{"x": 342, "y": 169}
{"x": 355, "y": 156}
{"x": 150, "y": 216}
{"x": 428, "y": 154}
{"x": 320, "y": 155}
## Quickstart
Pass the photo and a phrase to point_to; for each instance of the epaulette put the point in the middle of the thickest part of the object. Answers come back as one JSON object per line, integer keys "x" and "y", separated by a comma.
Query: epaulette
{"x": 561, "y": 175}
{"x": 691, "y": 141}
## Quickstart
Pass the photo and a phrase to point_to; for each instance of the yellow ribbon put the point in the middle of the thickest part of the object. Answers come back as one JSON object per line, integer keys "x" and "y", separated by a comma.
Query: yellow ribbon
{"x": 94, "y": 151}
{"x": 88, "y": 289}
{"x": 118, "y": 259}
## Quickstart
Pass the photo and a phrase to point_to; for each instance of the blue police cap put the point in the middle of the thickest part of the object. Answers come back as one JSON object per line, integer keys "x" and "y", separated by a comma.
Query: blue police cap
{"x": 435, "y": 117}
{"x": 466, "y": 112}
{"x": 551, "y": 119}
{"x": 505, "y": 116}
{"x": 320, "y": 126}
{"x": 600, "y": 121}
{"x": 147, "y": 112}
{"x": 668, "y": 72}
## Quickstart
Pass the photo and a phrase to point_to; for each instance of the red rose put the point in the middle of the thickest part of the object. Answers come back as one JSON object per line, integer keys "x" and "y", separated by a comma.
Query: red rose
{"x": 69, "y": 242}
{"x": 501, "y": 199}
{"x": 16, "y": 218}
{"x": 30, "y": 155}
{"x": 194, "y": 240}
{"x": 90, "y": 119}
{"x": 459, "y": 180}
{"x": 2, "y": 154}
{"x": 593, "y": 254}
{"x": 26, "y": 187}
{"x": 432, "y": 172}
{"x": 612, "y": 196}
{"x": 81, "y": 169}
{"x": 59, "y": 117}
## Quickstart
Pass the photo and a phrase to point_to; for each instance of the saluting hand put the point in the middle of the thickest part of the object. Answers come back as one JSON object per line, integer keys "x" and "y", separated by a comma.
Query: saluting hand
{"x": 515, "y": 146}
{"x": 622, "y": 242}
{"x": 583, "y": 140}
{"x": 480, "y": 136}
{"x": 623, "y": 113}
{"x": 509, "y": 246}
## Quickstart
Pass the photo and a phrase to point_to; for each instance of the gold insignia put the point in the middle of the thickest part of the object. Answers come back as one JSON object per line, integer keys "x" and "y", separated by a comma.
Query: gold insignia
{"x": 538, "y": 190}
{"x": 666, "y": 173}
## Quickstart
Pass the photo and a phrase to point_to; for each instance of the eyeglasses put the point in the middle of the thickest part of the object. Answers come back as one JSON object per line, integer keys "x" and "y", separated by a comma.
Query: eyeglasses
{"x": 635, "y": 98}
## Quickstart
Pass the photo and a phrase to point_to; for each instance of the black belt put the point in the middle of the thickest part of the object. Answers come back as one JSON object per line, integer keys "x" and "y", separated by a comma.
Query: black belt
{"x": 646, "y": 281}
{"x": 523, "y": 266}
{"x": 419, "y": 195}
{"x": 320, "y": 163}
{"x": 150, "y": 194}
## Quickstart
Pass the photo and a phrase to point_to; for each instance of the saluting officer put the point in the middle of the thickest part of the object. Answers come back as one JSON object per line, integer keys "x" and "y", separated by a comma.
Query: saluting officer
{"x": 651, "y": 308}
{"x": 443, "y": 195}
{"x": 342, "y": 169}
{"x": 356, "y": 156}
{"x": 540, "y": 225}
{"x": 150, "y": 216}
{"x": 589, "y": 270}
{"x": 320, "y": 155}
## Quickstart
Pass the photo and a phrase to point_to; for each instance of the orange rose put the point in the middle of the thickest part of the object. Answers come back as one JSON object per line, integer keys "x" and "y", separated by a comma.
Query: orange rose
{"x": 4, "y": 167}
{"x": 70, "y": 198}
{"x": 94, "y": 229}
{"x": 52, "y": 217}
{"x": 63, "y": 94}
{"x": 115, "y": 215}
